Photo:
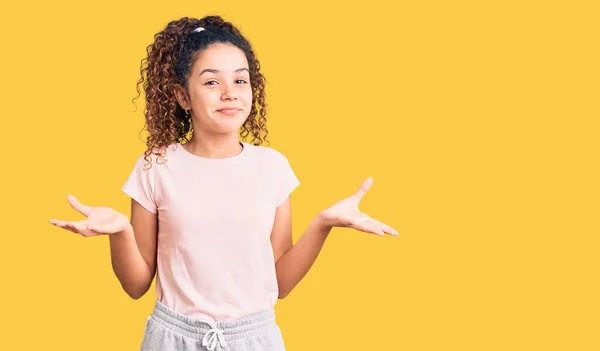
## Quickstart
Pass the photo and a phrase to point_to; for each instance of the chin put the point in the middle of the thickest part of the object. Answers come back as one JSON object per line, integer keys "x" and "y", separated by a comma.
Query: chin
{"x": 230, "y": 129}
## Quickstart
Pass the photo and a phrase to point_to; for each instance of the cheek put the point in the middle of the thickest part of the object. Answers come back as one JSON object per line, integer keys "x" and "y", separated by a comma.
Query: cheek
{"x": 247, "y": 96}
{"x": 207, "y": 100}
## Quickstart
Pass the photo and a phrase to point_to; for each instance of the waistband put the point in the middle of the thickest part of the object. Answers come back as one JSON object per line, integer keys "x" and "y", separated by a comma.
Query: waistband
{"x": 213, "y": 332}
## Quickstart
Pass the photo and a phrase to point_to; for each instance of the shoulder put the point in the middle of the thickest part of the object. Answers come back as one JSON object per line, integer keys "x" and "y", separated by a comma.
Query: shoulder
{"x": 269, "y": 153}
{"x": 156, "y": 156}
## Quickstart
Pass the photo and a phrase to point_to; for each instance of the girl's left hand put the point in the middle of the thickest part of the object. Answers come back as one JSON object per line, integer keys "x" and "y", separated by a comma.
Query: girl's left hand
{"x": 345, "y": 213}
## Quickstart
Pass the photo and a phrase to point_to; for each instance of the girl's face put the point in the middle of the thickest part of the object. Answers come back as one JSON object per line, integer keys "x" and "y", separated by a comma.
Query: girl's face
{"x": 220, "y": 95}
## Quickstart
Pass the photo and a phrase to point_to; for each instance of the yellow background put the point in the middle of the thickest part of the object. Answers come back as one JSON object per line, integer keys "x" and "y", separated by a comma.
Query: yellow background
{"x": 477, "y": 120}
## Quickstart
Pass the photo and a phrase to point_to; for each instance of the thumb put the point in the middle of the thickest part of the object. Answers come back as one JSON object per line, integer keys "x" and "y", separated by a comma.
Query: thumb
{"x": 78, "y": 206}
{"x": 364, "y": 188}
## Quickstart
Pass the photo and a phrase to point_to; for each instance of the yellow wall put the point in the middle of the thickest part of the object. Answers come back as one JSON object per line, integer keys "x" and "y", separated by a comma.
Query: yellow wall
{"x": 478, "y": 122}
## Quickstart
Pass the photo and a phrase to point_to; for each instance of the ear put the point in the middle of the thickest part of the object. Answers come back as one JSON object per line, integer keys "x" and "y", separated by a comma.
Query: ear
{"x": 183, "y": 98}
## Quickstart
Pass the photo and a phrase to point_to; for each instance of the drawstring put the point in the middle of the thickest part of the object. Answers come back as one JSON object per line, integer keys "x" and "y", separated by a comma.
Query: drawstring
{"x": 213, "y": 336}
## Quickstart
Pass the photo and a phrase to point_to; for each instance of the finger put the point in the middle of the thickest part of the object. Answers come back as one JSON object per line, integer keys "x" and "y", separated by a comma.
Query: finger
{"x": 83, "y": 229}
{"x": 78, "y": 206}
{"x": 367, "y": 227}
{"x": 80, "y": 228}
{"x": 71, "y": 227}
{"x": 61, "y": 224}
{"x": 386, "y": 228}
{"x": 95, "y": 229}
{"x": 364, "y": 188}
{"x": 74, "y": 227}
{"x": 64, "y": 225}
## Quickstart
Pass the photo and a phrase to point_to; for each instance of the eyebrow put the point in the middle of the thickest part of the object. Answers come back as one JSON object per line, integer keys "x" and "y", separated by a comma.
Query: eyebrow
{"x": 217, "y": 71}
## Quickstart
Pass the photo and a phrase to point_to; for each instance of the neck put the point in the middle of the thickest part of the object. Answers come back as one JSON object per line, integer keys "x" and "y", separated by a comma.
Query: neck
{"x": 214, "y": 146}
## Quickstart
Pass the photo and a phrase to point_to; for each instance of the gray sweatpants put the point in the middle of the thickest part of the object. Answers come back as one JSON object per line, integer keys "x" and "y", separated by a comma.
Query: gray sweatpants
{"x": 168, "y": 330}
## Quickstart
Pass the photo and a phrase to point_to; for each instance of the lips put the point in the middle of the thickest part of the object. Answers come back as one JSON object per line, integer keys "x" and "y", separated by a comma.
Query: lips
{"x": 229, "y": 111}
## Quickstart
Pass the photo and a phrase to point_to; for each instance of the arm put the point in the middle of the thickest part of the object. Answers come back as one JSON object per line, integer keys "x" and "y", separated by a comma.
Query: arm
{"x": 292, "y": 262}
{"x": 133, "y": 251}
{"x": 132, "y": 245}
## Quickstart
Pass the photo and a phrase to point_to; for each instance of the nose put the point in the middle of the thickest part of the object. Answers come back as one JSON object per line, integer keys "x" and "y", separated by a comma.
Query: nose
{"x": 228, "y": 92}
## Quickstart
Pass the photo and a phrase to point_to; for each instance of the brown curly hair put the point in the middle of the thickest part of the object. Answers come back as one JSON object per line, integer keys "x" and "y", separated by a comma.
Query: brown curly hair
{"x": 169, "y": 63}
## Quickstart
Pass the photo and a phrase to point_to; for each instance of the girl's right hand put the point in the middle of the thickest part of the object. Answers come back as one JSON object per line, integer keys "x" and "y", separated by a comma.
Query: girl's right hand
{"x": 99, "y": 221}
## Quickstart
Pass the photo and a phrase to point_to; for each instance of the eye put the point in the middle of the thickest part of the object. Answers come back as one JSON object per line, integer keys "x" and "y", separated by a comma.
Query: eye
{"x": 212, "y": 81}
{"x": 241, "y": 80}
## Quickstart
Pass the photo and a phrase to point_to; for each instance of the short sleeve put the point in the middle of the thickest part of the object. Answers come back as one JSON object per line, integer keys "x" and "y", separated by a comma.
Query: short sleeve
{"x": 287, "y": 179}
{"x": 140, "y": 185}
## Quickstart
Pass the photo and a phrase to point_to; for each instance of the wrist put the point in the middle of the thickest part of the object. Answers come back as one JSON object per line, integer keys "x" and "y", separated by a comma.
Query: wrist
{"x": 127, "y": 230}
{"x": 321, "y": 224}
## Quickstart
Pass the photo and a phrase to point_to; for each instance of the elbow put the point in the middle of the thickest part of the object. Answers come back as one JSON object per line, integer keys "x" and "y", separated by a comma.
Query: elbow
{"x": 135, "y": 293}
{"x": 134, "y": 296}
{"x": 136, "y": 288}
{"x": 283, "y": 294}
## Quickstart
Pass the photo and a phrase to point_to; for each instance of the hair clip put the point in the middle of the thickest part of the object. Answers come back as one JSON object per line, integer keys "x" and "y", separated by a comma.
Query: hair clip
{"x": 199, "y": 29}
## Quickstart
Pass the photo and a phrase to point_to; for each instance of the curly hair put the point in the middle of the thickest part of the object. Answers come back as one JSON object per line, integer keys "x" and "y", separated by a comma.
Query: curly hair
{"x": 168, "y": 64}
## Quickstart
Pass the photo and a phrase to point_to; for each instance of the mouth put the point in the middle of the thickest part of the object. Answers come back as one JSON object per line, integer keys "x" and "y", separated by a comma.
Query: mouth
{"x": 228, "y": 111}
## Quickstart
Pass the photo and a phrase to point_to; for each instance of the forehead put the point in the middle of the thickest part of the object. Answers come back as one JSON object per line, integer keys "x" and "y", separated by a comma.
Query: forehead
{"x": 223, "y": 57}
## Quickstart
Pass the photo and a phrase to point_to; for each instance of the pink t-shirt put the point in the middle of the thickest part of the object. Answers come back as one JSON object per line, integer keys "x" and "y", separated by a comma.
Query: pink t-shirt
{"x": 215, "y": 216}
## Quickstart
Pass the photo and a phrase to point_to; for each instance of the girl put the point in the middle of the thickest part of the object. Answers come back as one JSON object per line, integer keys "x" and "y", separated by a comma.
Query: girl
{"x": 210, "y": 214}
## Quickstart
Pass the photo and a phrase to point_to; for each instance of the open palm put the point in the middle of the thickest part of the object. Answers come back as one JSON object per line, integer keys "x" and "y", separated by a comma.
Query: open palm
{"x": 100, "y": 220}
{"x": 345, "y": 213}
